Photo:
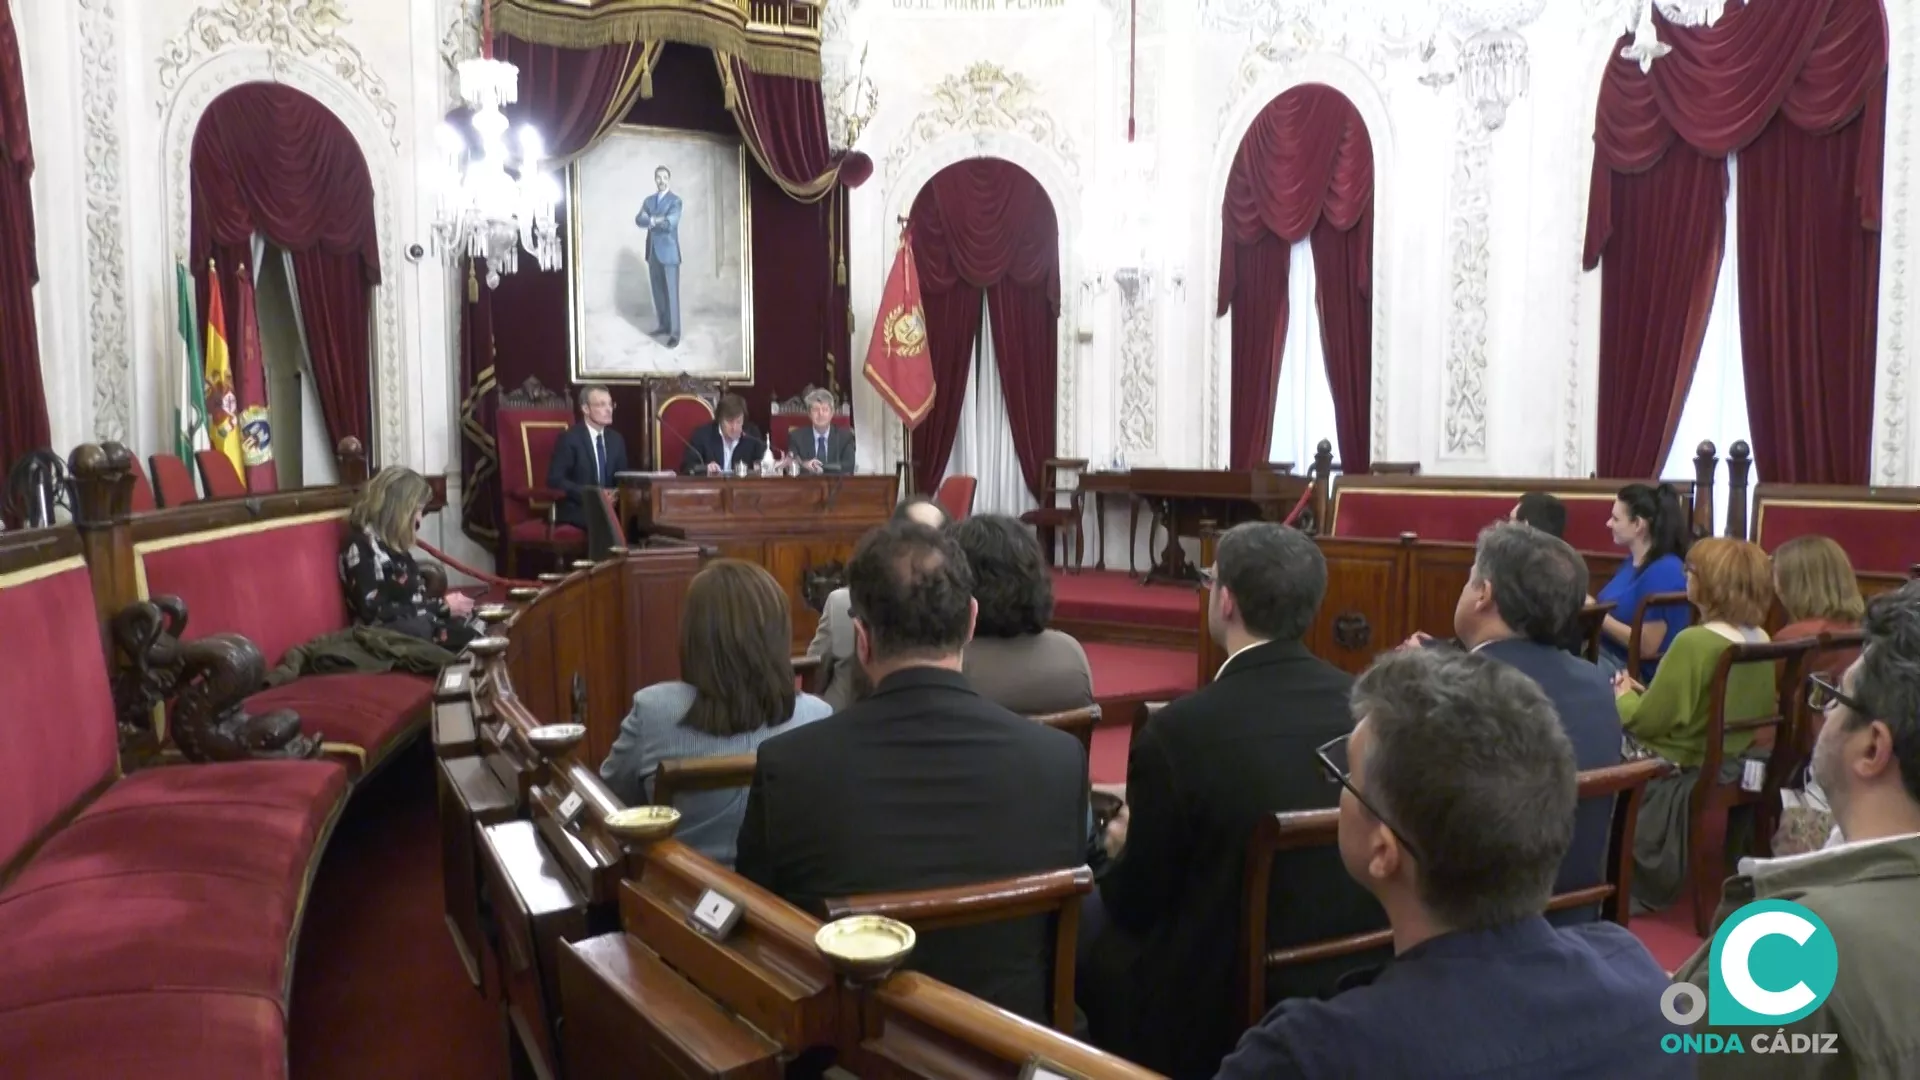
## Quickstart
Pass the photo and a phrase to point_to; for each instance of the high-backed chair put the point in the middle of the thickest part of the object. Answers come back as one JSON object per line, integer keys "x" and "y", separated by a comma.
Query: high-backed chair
{"x": 1051, "y": 518}
{"x": 787, "y": 415}
{"x": 1055, "y": 895}
{"x": 1320, "y": 829}
{"x": 956, "y": 496}
{"x": 218, "y": 475}
{"x": 1394, "y": 468}
{"x": 676, "y": 408}
{"x": 1078, "y": 723}
{"x": 526, "y": 426}
{"x": 1636, "y": 643}
{"x": 172, "y": 480}
{"x": 143, "y": 499}
{"x": 1712, "y": 801}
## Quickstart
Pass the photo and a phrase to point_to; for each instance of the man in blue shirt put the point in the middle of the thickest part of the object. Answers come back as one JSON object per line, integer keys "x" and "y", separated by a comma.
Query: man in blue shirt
{"x": 1456, "y": 811}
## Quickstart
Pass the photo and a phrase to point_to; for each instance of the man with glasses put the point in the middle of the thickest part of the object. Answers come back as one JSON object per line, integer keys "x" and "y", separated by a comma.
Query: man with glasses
{"x": 1157, "y": 976}
{"x": 1867, "y": 888}
{"x": 1458, "y": 791}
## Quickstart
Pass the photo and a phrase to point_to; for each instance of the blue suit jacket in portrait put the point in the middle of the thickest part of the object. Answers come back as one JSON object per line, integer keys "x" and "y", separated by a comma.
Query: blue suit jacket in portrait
{"x": 660, "y": 216}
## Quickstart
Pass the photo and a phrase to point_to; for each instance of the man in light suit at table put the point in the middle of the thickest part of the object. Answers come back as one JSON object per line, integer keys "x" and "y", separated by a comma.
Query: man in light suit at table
{"x": 823, "y": 446}
{"x": 660, "y": 216}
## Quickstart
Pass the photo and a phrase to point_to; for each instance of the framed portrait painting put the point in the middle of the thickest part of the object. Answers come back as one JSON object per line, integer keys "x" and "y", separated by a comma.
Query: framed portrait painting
{"x": 661, "y": 274}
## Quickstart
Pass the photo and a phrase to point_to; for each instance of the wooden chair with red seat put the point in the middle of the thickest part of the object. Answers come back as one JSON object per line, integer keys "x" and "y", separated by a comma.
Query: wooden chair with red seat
{"x": 1078, "y": 723}
{"x": 1055, "y": 895}
{"x": 1051, "y": 518}
{"x": 218, "y": 475}
{"x": 526, "y": 426}
{"x": 679, "y": 776}
{"x": 1310, "y": 829}
{"x": 785, "y": 416}
{"x": 1712, "y": 801}
{"x": 956, "y": 496}
{"x": 143, "y": 499}
{"x": 1639, "y": 650}
{"x": 1593, "y": 620}
{"x": 172, "y": 480}
{"x": 676, "y": 408}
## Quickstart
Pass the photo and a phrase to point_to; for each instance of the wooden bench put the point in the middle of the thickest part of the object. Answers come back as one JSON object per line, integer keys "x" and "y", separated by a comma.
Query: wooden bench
{"x": 148, "y": 917}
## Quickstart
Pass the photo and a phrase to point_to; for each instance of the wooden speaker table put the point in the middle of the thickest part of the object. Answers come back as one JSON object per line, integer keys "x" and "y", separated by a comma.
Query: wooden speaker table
{"x": 801, "y": 528}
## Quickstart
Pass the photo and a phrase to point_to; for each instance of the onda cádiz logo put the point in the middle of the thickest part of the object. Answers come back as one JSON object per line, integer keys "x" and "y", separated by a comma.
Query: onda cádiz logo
{"x": 1773, "y": 962}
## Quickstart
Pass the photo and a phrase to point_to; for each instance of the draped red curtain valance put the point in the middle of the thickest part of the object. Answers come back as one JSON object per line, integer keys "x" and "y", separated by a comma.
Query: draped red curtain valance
{"x": 1799, "y": 90}
{"x": 268, "y": 159}
{"x": 986, "y": 226}
{"x": 1303, "y": 170}
{"x": 23, "y": 419}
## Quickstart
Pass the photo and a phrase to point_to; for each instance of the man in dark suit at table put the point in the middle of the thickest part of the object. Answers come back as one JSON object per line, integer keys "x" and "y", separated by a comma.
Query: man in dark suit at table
{"x": 822, "y": 446}
{"x": 725, "y": 444}
{"x": 587, "y": 455}
{"x": 923, "y": 783}
{"x": 1157, "y": 980}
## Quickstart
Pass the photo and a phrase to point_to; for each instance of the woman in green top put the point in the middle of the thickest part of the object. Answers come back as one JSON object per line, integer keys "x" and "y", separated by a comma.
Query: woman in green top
{"x": 1731, "y": 582}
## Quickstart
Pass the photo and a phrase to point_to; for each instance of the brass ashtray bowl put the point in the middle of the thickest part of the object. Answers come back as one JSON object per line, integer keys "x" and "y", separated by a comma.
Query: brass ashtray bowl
{"x": 584, "y": 564}
{"x": 487, "y": 647}
{"x": 552, "y": 740}
{"x": 493, "y": 613}
{"x": 523, "y": 593}
{"x": 865, "y": 947}
{"x": 643, "y": 823}
{"x": 552, "y": 578}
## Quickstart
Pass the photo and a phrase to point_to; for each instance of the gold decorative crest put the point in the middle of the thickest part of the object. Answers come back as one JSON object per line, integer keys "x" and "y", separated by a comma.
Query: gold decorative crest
{"x": 906, "y": 331}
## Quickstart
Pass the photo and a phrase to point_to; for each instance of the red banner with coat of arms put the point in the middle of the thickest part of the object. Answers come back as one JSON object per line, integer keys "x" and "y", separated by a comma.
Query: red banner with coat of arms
{"x": 899, "y": 364}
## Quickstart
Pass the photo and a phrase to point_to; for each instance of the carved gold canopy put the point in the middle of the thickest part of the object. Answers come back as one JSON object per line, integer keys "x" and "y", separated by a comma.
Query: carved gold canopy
{"x": 773, "y": 37}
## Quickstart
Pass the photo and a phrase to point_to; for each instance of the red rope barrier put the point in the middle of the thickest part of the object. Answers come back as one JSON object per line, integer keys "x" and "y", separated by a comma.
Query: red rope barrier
{"x": 1299, "y": 507}
{"x": 491, "y": 579}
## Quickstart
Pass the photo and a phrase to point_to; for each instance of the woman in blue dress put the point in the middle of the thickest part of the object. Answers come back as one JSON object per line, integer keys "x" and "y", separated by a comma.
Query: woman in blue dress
{"x": 1652, "y": 525}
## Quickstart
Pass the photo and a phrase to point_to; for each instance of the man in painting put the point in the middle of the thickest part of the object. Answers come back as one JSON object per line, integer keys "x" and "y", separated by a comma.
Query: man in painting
{"x": 660, "y": 216}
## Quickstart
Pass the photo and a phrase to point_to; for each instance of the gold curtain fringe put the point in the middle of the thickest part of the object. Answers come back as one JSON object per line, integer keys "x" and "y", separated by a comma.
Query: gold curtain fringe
{"x": 770, "y": 52}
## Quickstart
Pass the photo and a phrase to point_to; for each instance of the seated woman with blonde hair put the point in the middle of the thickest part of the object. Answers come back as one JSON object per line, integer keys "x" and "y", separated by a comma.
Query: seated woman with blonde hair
{"x": 1729, "y": 581}
{"x": 1818, "y": 590}
{"x": 383, "y": 584}
{"x": 736, "y": 667}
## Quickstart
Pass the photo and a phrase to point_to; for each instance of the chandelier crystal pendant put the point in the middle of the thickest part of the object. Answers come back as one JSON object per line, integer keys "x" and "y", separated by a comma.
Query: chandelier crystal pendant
{"x": 495, "y": 195}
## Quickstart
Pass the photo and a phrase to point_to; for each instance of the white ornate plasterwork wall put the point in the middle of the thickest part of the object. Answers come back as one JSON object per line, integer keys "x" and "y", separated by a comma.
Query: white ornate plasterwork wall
{"x": 1894, "y": 460}
{"x": 1470, "y": 225}
{"x": 198, "y": 81}
{"x": 109, "y": 346}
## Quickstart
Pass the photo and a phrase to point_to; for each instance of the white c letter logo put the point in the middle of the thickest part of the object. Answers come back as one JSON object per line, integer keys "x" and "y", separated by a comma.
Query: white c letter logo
{"x": 1738, "y": 950}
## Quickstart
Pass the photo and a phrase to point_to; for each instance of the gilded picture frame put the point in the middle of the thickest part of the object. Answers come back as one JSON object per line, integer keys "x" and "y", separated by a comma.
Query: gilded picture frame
{"x": 660, "y": 257}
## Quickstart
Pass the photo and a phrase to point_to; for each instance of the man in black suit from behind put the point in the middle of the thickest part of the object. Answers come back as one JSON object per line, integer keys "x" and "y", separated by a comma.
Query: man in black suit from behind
{"x": 725, "y": 444}
{"x": 1526, "y": 585}
{"x": 923, "y": 783}
{"x": 1157, "y": 981}
{"x": 587, "y": 455}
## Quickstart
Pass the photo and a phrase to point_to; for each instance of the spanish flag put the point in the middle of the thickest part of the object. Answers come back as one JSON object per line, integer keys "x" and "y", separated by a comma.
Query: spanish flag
{"x": 899, "y": 364}
{"x": 223, "y": 409}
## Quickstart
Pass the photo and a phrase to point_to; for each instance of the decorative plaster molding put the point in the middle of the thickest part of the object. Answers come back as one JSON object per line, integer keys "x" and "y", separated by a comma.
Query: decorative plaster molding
{"x": 461, "y": 41}
{"x": 1896, "y": 250}
{"x": 986, "y": 100}
{"x": 304, "y": 30}
{"x": 106, "y": 248}
{"x": 1139, "y": 370}
{"x": 363, "y": 118}
{"x": 1465, "y": 431}
{"x": 1059, "y": 178}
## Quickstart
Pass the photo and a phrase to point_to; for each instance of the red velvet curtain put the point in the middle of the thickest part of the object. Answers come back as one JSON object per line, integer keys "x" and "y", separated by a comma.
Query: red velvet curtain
{"x": 1819, "y": 66}
{"x": 784, "y": 122}
{"x": 519, "y": 330}
{"x": 269, "y": 159}
{"x": 1306, "y": 165}
{"x": 23, "y": 418}
{"x": 985, "y": 224}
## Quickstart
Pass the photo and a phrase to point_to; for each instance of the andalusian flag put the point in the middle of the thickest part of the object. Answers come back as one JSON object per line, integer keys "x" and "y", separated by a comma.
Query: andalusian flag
{"x": 189, "y": 408}
{"x": 223, "y": 409}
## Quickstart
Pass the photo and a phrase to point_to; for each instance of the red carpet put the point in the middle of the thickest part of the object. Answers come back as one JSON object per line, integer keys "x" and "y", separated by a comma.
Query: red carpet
{"x": 1114, "y": 597}
{"x": 378, "y": 990}
{"x": 1668, "y": 935}
{"x": 1139, "y": 673}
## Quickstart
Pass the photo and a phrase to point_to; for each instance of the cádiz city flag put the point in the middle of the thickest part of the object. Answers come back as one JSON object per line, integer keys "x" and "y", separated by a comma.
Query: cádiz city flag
{"x": 898, "y": 363}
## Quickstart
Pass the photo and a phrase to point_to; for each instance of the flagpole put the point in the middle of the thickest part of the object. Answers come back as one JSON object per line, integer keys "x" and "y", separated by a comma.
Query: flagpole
{"x": 906, "y": 441}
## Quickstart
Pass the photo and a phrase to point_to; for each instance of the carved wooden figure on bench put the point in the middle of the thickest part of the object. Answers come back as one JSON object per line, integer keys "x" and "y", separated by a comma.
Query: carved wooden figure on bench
{"x": 206, "y": 682}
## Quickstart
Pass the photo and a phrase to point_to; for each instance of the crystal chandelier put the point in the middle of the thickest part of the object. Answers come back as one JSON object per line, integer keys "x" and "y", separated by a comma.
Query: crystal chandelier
{"x": 492, "y": 202}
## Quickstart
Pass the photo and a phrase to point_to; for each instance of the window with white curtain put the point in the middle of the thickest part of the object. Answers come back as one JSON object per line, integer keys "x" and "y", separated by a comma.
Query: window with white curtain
{"x": 1716, "y": 406}
{"x": 983, "y": 446}
{"x": 1303, "y": 413}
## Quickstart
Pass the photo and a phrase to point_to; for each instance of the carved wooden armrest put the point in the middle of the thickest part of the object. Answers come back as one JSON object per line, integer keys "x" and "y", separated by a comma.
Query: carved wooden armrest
{"x": 205, "y": 681}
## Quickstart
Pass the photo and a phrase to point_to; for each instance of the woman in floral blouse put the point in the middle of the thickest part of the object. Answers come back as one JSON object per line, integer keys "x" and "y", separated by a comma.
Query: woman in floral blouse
{"x": 383, "y": 584}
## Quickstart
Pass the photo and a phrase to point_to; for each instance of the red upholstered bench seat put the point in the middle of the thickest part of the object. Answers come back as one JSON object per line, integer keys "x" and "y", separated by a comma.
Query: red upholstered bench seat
{"x": 278, "y": 583}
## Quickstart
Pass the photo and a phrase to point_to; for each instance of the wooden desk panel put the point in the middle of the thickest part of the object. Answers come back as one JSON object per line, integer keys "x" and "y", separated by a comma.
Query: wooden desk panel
{"x": 794, "y": 526}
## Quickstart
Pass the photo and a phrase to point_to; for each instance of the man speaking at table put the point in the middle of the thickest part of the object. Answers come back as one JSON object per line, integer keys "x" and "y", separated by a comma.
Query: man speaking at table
{"x": 822, "y": 446}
